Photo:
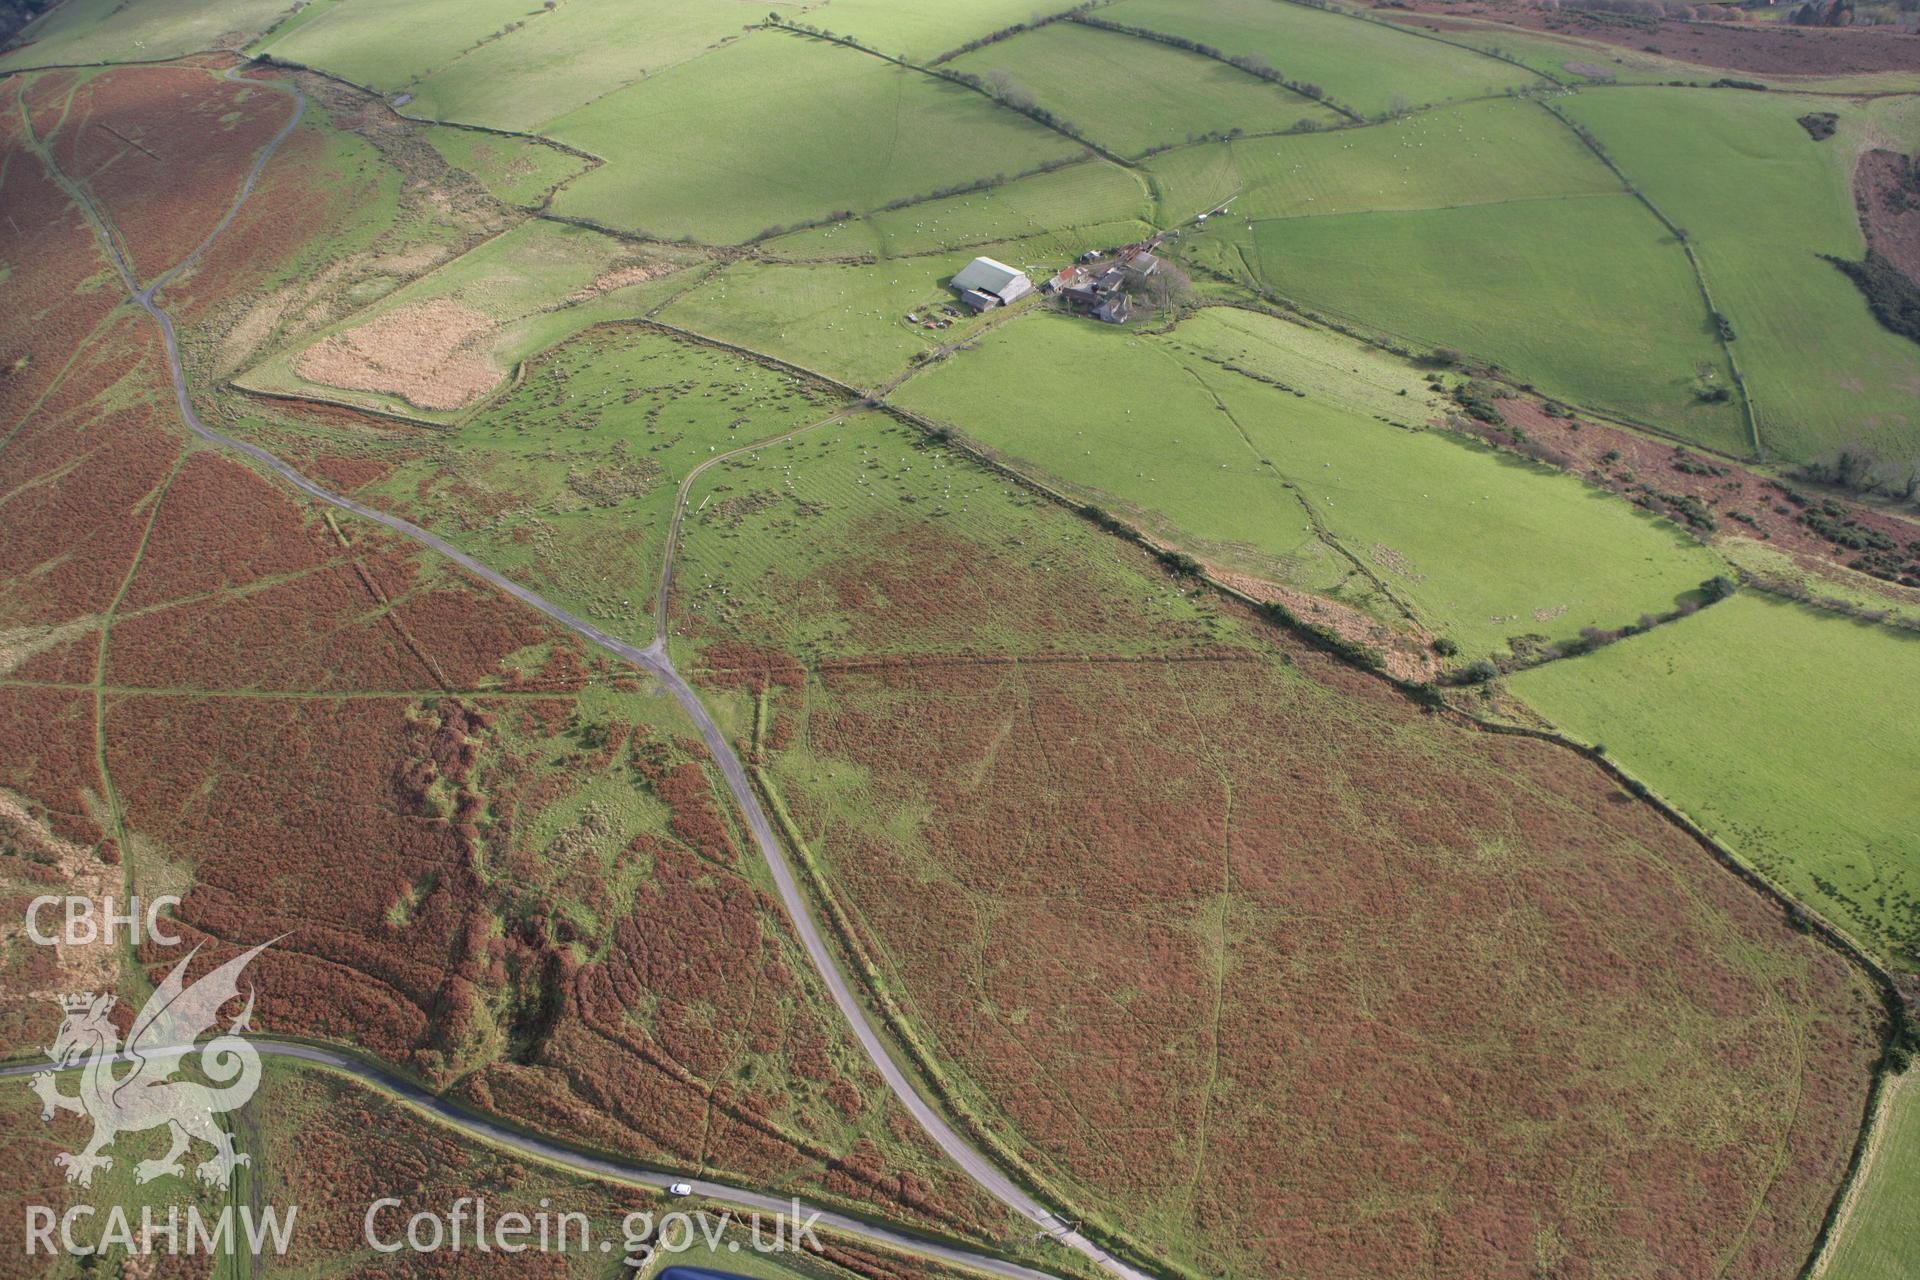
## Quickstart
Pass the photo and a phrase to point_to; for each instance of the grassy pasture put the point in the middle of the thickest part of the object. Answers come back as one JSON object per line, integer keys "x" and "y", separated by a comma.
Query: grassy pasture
{"x": 1761, "y": 200}
{"x": 581, "y": 51}
{"x": 1479, "y": 546}
{"x": 537, "y": 284}
{"x": 1087, "y": 195}
{"x": 777, "y": 129}
{"x": 917, "y": 30}
{"x": 568, "y": 482}
{"x": 1882, "y": 1237}
{"x": 1587, "y": 296}
{"x": 1474, "y": 153}
{"x": 1554, "y": 55}
{"x": 389, "y": 45}
{"x": 136, "y": 30}
{"x": 1786, "y": 732}
{"x": 1360, "y": 64}
{"x": 1131, "y": 95}
{"x": 846, "y": 320}
{"x": 518, "y": 172}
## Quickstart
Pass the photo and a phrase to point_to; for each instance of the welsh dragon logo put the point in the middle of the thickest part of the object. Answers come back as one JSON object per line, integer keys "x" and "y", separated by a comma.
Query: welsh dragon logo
{"x": 162, "y": 1037}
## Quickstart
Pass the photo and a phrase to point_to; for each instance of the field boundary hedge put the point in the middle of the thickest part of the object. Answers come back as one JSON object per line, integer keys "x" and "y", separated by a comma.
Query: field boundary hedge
{"x": 1722, "y": 328}
{"x": 1202, "y": 50}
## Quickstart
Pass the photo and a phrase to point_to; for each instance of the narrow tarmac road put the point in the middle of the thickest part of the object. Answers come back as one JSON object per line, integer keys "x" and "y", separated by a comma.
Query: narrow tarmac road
{"x": 587, "y": 1162}
{"x": 653, "y": 658}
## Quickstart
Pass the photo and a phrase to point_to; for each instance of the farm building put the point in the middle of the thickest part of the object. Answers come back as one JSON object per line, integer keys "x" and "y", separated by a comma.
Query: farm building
{"x": 1101, "y": 291}
{"x": 986, "y": 283}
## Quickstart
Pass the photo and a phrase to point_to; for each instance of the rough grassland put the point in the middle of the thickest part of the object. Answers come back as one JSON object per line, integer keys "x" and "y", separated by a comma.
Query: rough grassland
{"x": 567, "y": 482}
{"x": 1089, "y": 196}
{"x": 847, "y": 321}
{"x": 518, "y": 172}
{"x": 1478, "y": 546}
{"x": 1260, "y": 960}
{"x": 1130, "y": 95}
{"x": 1360, "y": 64}
{"x": 143, "y": 30}
{"x": 1786, "y": 732}
{"x": 1475, "y": 153}
{"x": 561, "y": 61}
{"x": 1882, "y": 1238}
{"x": 1587, "y": 297}
{"x": 390, "y": 46}
{"x": 778, "y": 129}
{"x": 1823, "y": 373}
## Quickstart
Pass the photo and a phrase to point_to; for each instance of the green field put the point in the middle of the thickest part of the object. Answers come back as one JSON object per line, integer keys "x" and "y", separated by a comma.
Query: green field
{"x": 1786, "y": 732}
{"x": 1882, "y": 1236}
{"x": 1090, "y": 199}
{"x": 1587, "y": 296}
{"x": 518, "y": 172}
{"x": 391, "y": 46}
{"x": 848, "y": 321}
{"x": 1360, "y": 64}
{"x": 139, "y": 30}
{"x": 1761, "y": 200}
{"x": 1555, "y": 55}
{"x": 1129, "y": 94}
{"x": 918, "y": 30}
{"x": 1478, "y": 546}
{"x": 1475, "y": 153}
{"x": 778, "y": 129}
{"x": 580, "y": 51}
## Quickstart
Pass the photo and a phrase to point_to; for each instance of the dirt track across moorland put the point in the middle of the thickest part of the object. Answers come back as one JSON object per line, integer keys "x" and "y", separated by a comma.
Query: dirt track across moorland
{"x": 653, "y": 659}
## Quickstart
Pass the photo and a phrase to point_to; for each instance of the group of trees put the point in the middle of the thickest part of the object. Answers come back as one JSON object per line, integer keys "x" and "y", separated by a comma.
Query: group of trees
{"x": 1860, "y": 470}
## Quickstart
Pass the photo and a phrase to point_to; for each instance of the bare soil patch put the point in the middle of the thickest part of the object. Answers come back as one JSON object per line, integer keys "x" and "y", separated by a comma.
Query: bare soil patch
{"x": 432, "y": 355}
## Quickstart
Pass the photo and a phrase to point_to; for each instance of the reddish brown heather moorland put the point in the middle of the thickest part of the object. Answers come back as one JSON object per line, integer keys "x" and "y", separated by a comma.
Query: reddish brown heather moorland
{"x": 163, "y": 150}
{"x": 1307, "y": 979}
{"x": 1886, "y": 187}
{"x": 318, "y": 732}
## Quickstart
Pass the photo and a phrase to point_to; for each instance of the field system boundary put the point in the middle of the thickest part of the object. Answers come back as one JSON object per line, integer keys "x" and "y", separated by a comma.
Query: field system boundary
{"x": 1686, "y": 246}
{"x": 927, "y": 1072}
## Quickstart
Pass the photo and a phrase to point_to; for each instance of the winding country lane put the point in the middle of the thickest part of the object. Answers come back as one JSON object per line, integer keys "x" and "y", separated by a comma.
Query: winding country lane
{"x": 586, "y": 1162}
{"x": 653, "y": 659}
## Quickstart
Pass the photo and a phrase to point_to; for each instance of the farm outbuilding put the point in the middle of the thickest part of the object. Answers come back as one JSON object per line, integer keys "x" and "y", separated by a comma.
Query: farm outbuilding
{"x": 986, "y": 283}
